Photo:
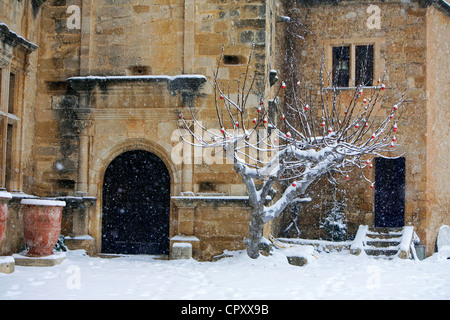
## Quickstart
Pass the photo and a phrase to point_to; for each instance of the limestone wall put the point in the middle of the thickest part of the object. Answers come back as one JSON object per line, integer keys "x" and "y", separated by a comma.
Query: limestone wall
{"x": 80, "y": 130}
{"x": 20, "y": 23}
{"x": 219, "y": 223}
{"x": 134, "y": 39}
{"x": 438, "y": 115}
{"x": 401, "y": 60}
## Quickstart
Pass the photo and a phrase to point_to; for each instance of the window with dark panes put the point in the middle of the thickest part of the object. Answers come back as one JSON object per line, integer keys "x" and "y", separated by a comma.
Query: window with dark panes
{"x": 341, "y": 66}
{"x": 8, "y": 130}
{"x": 364, "y": 65}
{"x": 8, "y": 159}
{"x": 12, "y": 92}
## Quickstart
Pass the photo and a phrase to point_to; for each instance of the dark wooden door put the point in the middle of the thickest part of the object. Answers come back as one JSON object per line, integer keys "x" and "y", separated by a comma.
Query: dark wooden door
{"x": 389, "y": 192}
{"x": 136, "y": 205}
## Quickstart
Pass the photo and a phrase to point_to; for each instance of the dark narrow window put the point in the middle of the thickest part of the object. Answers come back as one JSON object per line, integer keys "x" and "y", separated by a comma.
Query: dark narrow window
{"x": 341, "y": 66}
{"x": 12, "y": 93}
{"x": 232, "y": 60}
{"x": 0, "y": 85}
{"x": 8, "y": 164}
{"x": 364, "y": 65}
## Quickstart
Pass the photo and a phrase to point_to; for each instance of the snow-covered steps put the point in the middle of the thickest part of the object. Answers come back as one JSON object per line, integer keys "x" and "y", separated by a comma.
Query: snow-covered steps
{"x": 383, "y": 242}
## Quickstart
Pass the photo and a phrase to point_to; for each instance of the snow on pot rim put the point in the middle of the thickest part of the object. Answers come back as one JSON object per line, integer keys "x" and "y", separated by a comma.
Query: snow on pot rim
{"x": 43, "y": 202}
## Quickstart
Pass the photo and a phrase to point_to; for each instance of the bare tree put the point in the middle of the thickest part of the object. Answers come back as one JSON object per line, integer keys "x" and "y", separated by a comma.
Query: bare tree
{"x": 286, "y": 142}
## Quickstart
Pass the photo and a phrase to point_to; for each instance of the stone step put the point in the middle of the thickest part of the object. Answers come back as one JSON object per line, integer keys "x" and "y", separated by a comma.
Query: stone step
{"x": 384, "y": 230}
{"x": 381, "y": 236}
{"x": 383, "y": 257}
{"x": 382, "y": 243}
{"x": 384, "y": 236}
{"x": 381, "y": 252}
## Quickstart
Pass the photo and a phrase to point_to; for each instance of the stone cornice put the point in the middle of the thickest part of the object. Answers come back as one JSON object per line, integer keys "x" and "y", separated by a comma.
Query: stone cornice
{"x": 13, "y": 39}
{"x": 443, "y": 5}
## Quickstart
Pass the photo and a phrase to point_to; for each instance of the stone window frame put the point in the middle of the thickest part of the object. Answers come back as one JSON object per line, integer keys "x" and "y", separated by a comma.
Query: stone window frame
{"x": 9, "y": 125}
{"x": 378, "y": 61}
{"x": 14, "y": 51}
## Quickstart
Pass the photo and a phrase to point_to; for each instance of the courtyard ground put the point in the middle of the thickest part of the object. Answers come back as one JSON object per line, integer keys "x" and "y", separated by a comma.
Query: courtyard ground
{"x": 336, "y": 275}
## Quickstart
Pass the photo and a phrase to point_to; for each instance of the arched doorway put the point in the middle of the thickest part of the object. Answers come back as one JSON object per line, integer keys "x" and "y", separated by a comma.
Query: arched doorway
{"x": 136, "y": 205}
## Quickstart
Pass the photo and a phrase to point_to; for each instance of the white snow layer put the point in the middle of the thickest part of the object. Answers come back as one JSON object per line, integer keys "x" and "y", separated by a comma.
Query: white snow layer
{"x": 5, "y": 195}
{"x": 443, "y": 242}
{"x": 407, "y": 235}
{"x": 335, "y": 275}
{"x": 43, "y": 202}
{"x": 358, "y": 242}
{"x": 145, "y": 77}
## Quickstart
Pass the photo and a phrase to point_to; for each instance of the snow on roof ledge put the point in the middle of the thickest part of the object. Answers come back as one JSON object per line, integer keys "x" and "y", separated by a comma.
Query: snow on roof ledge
{"x": 138, "y": 78}
{"x": 211, "y": 198}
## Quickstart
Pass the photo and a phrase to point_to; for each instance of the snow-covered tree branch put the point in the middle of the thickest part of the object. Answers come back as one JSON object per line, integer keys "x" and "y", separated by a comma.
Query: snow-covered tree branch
{"x": 280, "y": 144}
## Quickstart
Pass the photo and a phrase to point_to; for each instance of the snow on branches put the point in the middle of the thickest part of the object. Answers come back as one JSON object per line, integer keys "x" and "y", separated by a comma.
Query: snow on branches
{"x": 281, "y": 144}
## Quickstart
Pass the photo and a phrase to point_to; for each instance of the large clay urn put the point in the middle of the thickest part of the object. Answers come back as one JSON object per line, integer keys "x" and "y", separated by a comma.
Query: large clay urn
{"x": 4, "y": 198}
{"x": 42, "y": 225}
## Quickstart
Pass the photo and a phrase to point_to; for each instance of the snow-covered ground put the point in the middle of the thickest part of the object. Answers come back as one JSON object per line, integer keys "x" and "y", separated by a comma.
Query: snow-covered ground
{"x": 337, "y": 275}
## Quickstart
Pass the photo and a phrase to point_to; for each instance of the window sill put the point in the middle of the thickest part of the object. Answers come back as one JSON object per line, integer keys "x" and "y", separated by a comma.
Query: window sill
{"x": 352, "y": 88}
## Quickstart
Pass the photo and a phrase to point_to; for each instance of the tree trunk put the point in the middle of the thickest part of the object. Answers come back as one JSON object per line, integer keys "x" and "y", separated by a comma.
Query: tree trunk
{"x": 256, "y": 233}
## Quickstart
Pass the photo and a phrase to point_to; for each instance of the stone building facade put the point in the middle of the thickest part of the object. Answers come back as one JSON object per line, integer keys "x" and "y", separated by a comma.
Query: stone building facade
{"x": 99, "y": 86}
{"x": 410, "y": 43}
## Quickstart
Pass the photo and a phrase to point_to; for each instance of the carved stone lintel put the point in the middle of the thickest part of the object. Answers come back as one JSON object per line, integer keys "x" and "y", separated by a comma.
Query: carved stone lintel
{"x": 187, "y": 85}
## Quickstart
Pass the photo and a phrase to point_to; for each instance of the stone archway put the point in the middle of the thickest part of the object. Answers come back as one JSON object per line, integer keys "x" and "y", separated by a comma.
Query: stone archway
{"x": 136, "y": 205}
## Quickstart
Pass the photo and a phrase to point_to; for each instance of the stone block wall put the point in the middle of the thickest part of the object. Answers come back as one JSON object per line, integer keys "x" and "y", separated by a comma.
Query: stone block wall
{"x": 219, "y": 223}
{"x": 14, "y": 240}
{"x": 80, "y": 131}
{"x": 20, "y": 24}
{"x": 134, "y": 39}
{"x": 408, "y": 42}
{"x": 71, "y": 136}
{"x": 438, "y": 115}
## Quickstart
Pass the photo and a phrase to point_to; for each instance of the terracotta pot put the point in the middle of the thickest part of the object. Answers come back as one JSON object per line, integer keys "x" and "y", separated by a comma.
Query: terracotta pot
{"x": 42, "y": 225}
{"x": 4, "y": 198}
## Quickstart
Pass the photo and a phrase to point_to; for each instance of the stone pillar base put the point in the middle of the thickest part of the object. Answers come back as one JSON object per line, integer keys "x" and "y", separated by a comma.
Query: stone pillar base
{"x": 7, "y": 265}
{"x": 21, "y": 259}
{"x": 182, "y": 245}
{"x": 85, "y": 242}
{"x": 181, "y": 250}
